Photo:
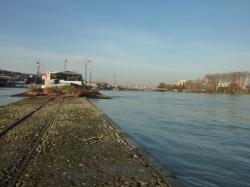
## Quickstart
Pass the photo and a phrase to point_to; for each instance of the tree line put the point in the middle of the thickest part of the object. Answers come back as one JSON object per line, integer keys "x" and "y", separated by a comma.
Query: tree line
{"x": 233, "y": 82}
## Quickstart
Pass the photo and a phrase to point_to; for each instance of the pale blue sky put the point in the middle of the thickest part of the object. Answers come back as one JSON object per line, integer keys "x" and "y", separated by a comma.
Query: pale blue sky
{"x": 140, "y": 41}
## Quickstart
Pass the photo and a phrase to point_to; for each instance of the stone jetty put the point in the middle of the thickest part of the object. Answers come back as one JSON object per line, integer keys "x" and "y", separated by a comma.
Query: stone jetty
{"x": 66, "y": 141}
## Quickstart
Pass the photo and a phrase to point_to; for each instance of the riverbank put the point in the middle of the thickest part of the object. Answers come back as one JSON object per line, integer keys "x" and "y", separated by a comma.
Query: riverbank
{"x": 201, "y": 92}
{"x": 79, "y": 148}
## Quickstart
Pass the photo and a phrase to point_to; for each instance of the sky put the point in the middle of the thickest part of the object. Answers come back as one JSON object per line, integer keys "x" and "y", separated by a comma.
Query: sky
{"x": 138, "y": 41}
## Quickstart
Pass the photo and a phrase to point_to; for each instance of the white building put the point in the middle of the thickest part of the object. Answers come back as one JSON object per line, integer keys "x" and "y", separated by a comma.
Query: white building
{"x": 223, "y": 84}
{"x": 55, "y": 79}
{"x": 180, "y": 82}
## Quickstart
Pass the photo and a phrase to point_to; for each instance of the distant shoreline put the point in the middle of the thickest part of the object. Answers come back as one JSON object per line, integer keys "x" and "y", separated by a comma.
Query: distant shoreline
{"x": 200, "y": 92}
{"x": 205, "y": 93}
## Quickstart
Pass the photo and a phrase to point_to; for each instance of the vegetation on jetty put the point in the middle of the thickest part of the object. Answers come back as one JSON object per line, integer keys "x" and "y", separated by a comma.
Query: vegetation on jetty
{"x": 68, "y": 91}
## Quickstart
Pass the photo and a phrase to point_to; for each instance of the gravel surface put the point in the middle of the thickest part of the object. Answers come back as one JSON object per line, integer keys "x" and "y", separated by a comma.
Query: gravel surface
{"x": 80, "y": 149}
{"x": 15, "y": 145}
{"x": 11, "y": 112}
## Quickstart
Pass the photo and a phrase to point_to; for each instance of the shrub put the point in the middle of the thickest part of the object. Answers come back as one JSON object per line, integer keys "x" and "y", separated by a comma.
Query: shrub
{"x": 52, "y": 91}
{"x": 36, "y": 89}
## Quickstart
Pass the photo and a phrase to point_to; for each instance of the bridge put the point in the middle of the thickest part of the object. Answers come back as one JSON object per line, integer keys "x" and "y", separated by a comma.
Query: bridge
{"x": 7, "y": 81}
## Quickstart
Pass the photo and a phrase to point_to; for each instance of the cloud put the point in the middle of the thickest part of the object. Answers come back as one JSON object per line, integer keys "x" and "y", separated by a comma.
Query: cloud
{"x": 126, "y": 43}
{"x": 24, "y": 59}
{"x": 133, "y": 55}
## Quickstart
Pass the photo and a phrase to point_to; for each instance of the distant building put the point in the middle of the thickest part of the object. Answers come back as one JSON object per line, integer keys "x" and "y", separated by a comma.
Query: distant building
{"x": 55, "y": 79}
{"x": 180, "y": 82}
{"x": 223, "y": 84}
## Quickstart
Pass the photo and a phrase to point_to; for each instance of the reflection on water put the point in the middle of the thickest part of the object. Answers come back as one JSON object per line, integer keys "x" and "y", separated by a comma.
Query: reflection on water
{"x": 6, "y": 93}
{"x": 202, "y": 138}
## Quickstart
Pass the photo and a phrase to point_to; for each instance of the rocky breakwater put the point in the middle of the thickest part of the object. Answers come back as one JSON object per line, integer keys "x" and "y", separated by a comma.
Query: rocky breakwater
{"x": 78, "y": 148}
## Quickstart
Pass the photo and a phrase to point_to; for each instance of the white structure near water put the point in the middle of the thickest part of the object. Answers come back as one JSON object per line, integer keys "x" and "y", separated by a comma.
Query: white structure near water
{"x": 64, "y": 78}
{"x": 180, "y": 82}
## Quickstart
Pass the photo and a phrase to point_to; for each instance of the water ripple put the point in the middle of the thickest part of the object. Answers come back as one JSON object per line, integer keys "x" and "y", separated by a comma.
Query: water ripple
{"x": 202, "y": 138}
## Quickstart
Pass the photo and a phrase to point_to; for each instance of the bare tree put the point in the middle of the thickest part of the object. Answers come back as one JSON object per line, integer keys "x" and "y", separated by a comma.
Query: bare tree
{"x": 235, "y": 81}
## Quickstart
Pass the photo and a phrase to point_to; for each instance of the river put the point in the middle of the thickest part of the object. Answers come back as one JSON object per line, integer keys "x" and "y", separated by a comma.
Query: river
{"x": 6, "y": 93}
{"x": 204, "y": 139}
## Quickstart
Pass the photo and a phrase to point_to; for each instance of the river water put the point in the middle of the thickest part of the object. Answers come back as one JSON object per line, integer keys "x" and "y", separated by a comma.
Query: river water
{"x": 6, "y": 93}
{"x": 203, "y": 139}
